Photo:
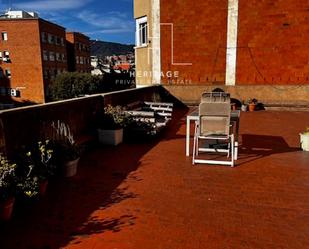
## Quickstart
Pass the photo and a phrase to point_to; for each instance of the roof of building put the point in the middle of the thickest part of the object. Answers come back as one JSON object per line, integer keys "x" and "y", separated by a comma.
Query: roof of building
{"x": 77, "y": 33}
{"x": 25, "y": 16}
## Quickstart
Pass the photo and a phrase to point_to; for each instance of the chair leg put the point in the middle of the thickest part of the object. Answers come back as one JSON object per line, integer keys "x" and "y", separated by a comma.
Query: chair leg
{"x": 236, "y": 151}
{"x": 194, "y": 145}
{"x": 193, "y": 154}
{"x": 197, "y": 146}
{"x": 232, "y": 150}
{"x": 228, "y": 148}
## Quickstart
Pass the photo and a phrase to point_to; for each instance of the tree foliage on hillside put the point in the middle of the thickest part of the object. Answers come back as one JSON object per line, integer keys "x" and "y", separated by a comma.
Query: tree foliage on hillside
{"x": 102, "y": 49}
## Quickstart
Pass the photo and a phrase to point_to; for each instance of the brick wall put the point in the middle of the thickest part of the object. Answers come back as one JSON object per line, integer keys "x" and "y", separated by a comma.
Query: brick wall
{"x": 23, "y": 45}
{"x": 26, "y": 53}
{"x": 273, "y": 42}
{"x": 199, "y": 38}
{"x": 75, "y": 48}
{"x": 57, "y": 66}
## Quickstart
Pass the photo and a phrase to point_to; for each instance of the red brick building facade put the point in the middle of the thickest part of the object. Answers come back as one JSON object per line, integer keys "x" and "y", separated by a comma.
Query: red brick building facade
{"x": 249, "y": 48}
{"x": 271, "y": 45}
{"x": 199, "y": 40}
{"x": 78, "y": 49}
{"x": 33, "y": 52}
{"x": 273, "y": 42}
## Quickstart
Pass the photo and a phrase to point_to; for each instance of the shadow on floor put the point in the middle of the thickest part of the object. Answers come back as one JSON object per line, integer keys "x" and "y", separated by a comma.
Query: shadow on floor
{"x": 72, "y": 208}
{"x": 254, "y": 147}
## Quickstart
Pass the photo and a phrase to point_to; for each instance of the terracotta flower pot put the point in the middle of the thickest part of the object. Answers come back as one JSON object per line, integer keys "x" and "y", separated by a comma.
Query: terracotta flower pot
{"x": 43, "y": 187}
{"x": 252, "y": 107}
{"x": 6, "y": 209}
{"x": 70, "y": 168}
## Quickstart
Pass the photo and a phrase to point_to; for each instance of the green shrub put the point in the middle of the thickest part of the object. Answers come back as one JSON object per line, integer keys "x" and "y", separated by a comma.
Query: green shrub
{"x": 72, "y": 85}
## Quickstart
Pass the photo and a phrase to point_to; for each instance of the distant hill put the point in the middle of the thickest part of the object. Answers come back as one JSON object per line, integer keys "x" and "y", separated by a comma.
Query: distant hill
{"x": 102, "y": 48}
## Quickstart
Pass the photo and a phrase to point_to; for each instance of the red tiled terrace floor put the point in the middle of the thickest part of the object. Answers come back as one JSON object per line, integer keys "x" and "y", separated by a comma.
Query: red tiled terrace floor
{"x": 149, "y": 196}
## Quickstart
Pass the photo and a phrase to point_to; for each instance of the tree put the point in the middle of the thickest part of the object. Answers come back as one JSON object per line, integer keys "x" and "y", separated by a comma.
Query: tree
{"x": 72, "y": 85}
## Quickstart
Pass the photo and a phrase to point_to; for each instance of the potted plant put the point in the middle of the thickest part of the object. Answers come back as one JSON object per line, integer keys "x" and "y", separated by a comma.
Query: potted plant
{"x": 304, "y": 140}
{"x": 138, "y": 129}
{"x": 28, "y": 187}
{"x": 244, "y": 106}
{"x": 111, "y": 125}
{"x": 35, "y": 162}
{"x": 252, "y": 104}
{"x": 67, "y": 155}
{"x": 7, "y": 188}
{"x": 65, "y": 150}
{"x": 40, "y": 157}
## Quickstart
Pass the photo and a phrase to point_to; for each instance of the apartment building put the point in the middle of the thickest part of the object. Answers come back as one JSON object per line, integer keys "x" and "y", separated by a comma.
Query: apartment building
{"x": 249, "y": 48}
{"x": 33, "y": 51}
{"x": 78, "y": 49}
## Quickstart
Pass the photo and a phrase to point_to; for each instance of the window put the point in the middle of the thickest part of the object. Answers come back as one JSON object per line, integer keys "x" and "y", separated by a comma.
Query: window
{"x": 6, "y": 56}
{"x": 58, "y": 57}
{"x": 4, "y": 36}
{"x": 46, "y": 73}
{"x": 141, "y": 32}
{"x": 62, "y": 41}
{"x": 51, "y": 39}
{"x": 81, "y": 60}
{"x": 63, "y": 57}
{"x": 52, "y": 73}
{"x": 0, "y": 55}
{"x": 8, "y": 73}
{"x": 51, "y": 56}
{"x": 77, "y": 60}
{"x": 58, "y": 40}
{"x": 45, "y": 55}
{"x": 44, "y": 37}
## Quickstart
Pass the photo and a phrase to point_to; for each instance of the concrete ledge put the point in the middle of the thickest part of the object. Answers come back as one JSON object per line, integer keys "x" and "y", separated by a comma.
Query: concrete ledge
{"x": 292, "y": 95}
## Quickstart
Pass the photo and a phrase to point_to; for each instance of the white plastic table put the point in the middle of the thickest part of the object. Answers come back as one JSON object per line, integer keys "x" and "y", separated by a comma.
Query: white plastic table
{"x": 193, "y": 116}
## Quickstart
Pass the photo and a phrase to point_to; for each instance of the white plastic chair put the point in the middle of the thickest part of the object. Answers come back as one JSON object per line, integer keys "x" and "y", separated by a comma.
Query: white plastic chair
{"x": 214, "y": 125}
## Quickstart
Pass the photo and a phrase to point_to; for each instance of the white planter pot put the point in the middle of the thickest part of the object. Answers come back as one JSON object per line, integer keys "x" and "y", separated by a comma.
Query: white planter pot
{"x": 304, "y": 142}
{"x": 244, "y": 108}
{"x": 70, "y": 168}
{"x": 110, "y": 137}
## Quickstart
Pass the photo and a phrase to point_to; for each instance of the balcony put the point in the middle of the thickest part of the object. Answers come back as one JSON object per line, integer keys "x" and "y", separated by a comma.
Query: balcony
{"x": 148, "y": 194}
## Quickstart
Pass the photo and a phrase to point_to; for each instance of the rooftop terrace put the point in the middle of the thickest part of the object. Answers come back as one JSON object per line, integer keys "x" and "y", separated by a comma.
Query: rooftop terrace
{"x": 148, "y": 195}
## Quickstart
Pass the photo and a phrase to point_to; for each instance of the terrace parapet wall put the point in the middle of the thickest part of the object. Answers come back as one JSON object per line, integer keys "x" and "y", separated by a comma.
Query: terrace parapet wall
{"x": 25, "y": 125}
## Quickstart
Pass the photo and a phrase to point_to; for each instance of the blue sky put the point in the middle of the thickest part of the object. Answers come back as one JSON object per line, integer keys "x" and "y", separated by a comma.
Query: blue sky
{"x": 107, "y": 20}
